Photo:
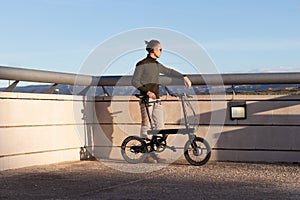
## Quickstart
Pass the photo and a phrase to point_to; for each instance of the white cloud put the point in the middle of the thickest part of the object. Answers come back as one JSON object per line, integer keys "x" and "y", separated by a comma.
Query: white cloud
{"x": 275, "y": 69}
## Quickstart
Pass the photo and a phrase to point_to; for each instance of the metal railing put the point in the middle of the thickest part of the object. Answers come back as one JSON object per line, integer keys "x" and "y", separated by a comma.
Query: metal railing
{"x": 55, "y": 78}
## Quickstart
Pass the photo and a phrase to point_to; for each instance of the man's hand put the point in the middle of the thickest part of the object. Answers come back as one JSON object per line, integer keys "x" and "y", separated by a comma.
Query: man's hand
{"x": 151, "y": 95}
{"x": 187, "y": 82}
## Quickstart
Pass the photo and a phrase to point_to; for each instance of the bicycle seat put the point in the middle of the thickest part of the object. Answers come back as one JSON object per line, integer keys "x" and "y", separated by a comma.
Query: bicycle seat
{"x": 141, "y": 96}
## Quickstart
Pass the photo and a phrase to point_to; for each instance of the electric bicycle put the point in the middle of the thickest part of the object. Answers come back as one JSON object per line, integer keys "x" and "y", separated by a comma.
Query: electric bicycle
{"x": 197, "y": 150}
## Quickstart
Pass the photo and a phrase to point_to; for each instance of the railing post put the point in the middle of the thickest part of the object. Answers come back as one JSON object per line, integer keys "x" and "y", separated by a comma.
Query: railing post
{"x": 11, "y": 87}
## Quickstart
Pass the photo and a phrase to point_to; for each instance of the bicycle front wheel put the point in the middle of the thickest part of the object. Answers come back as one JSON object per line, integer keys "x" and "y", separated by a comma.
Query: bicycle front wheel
{"x": 197, "y": 152}
{"x": 133, "y": 149}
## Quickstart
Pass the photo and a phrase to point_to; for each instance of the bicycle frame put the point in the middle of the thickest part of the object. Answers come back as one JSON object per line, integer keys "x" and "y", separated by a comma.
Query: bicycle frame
{"x": 187, "y": 124}
{"x": 166, "y": 132}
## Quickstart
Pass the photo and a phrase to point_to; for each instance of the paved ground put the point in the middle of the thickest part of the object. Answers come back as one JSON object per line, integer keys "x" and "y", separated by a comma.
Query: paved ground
{"x": 94, "y": 180}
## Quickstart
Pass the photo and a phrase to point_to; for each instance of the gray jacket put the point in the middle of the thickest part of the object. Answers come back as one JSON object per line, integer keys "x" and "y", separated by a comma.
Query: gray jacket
{"x": 146, "y": 75}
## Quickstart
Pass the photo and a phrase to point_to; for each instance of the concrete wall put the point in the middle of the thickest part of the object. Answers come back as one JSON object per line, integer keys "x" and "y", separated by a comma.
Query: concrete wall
{"x": 37, "y": 129}
{"x": 270, "y": 133}
{"x": 42, "y": 129}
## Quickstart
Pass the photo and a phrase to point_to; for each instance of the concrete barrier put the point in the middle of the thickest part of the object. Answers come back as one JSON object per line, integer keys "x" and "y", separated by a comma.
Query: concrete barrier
{"x": 37, "y": 129}
{"x": 42, "y": 128}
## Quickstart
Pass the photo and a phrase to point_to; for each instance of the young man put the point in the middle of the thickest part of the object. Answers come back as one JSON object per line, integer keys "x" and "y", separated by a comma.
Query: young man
{"x": 146, "y": 80}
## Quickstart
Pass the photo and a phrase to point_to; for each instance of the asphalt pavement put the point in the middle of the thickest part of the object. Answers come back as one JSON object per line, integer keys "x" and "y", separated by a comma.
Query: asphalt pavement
{"x": 98, "y": 180}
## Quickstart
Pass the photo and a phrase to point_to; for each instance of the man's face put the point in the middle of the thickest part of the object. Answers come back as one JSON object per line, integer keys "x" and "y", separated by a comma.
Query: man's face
{"x": 157, "y": 51}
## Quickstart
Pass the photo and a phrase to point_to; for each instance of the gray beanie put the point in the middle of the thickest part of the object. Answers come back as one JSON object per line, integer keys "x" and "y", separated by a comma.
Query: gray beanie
{"x": 151, "y": 45}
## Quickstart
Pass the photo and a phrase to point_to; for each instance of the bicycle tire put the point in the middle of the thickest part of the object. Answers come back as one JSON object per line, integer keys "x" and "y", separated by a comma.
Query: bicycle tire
{"x": 201, "y": 155}
{"x": 129, "y": 154}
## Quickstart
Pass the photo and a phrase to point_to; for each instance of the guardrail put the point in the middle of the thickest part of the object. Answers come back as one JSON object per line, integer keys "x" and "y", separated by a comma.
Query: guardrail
{"x": 20, "y": 74}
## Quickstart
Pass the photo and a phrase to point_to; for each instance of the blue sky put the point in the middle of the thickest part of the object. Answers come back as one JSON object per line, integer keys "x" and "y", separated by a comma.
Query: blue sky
{"x": 239, "y": 35}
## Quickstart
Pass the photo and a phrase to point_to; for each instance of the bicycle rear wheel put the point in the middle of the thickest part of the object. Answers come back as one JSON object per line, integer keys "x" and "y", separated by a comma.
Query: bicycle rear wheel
{"x": 197, "y": 152}
{"x": 133, "y": 149}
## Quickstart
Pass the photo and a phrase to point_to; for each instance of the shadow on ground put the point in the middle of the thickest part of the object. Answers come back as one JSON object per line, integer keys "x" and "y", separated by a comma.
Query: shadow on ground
{"x": 94, "y": 180}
